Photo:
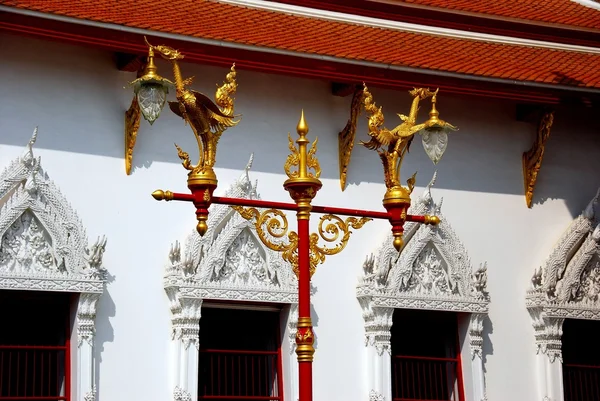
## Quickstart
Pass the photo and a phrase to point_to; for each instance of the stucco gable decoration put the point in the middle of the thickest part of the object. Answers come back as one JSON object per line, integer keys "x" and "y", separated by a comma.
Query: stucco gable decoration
{"x": 43, "y": 242}
{"x": 433, "y": 271}
{"x": 228, "y": 263}
{"x": 44, "y": 247}
{"x": 568, "y": 284}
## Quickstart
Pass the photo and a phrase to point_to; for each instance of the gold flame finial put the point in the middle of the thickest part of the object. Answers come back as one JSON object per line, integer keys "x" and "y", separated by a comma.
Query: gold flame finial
{"x": 302, "y": 127}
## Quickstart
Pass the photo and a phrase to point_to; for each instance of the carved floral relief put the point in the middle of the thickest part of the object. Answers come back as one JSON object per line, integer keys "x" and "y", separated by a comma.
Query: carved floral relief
{"x": 432, "y": 272}
{"x": 567, "y": 285}
{"x": 44, "y": 247}
{"x": 433, "y": 269}
{"x": 227, "y": 263}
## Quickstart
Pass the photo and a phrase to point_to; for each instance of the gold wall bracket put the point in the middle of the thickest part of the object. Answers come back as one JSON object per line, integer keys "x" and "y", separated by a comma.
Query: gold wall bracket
{"x": 532, "y": 159}
{"x": 132, "y": 125}
{"x": 347, "y": 135}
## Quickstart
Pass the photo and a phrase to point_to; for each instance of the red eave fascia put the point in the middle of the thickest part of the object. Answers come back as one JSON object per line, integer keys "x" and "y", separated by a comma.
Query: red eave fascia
{"x": 403, "y": 12}
{"x": 127, "y": 42}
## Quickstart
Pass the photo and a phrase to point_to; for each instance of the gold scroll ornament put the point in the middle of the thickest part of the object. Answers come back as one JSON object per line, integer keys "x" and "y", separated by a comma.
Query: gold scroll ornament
{"x": 272, "y": 225}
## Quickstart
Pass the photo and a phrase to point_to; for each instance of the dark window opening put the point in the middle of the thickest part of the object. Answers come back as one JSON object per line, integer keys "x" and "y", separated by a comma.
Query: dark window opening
{"x": 425, "y": 356}
{"x": 240, "y": 355}
{"x": 34, "y": 345}
{"x": 581, "y": 360}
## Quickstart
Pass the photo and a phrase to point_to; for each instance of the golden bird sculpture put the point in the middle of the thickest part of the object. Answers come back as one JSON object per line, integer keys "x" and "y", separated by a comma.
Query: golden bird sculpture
{"x": 207, "y": 119}
{"x": 392, "y": 145}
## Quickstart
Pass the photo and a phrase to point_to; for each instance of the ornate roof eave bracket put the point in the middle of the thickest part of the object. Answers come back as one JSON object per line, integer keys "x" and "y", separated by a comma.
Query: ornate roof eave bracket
{"x": 347, "y": 135}
{"x": 532, "y": 159}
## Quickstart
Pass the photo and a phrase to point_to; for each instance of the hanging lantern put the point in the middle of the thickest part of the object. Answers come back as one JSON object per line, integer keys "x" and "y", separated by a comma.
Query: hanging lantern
{"x": 151, "y": 90}
{"x": 435, "y": 133}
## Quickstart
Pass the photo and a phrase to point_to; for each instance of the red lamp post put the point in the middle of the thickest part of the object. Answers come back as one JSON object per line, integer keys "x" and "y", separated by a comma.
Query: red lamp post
{"x": 209, "y": 120}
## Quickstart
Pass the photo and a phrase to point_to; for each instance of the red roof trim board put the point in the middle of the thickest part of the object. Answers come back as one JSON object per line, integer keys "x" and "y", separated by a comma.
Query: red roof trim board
{"x": 348, "y": 43}
{"x": 132, "y": 44}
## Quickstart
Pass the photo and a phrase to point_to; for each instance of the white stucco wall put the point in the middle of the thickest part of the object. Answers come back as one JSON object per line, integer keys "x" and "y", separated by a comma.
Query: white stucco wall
{"x": 77, "y": 97}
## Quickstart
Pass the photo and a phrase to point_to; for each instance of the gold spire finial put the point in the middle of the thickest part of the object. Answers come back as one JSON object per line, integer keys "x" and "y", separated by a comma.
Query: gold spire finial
{"x": 302, "y": 157}
{"x": 302, "y": 127}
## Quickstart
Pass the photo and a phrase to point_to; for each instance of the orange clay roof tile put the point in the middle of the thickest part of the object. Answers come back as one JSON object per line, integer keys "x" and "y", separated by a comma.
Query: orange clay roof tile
{"x": 557, "y": 12}
{"x": 236, "y": 24}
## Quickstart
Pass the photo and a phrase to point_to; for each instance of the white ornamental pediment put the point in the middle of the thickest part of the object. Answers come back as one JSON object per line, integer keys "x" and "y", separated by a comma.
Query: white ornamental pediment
{"x": 433, "y": 270}
{"x": 230, "y": 262}
{"x": 43, "y": 244}
{"x": 568, "y": 284}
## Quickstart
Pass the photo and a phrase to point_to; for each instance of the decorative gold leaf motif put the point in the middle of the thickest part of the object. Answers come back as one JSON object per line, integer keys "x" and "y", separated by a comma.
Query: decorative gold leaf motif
{"x": 185, "y": 157}
{"x": 293, "y": 160}
{"x": 312, "y": 161}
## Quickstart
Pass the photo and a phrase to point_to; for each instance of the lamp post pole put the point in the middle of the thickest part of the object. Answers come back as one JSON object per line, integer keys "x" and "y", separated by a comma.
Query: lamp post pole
{"x": 302, "y": 188}
{"x": 302, "y": 250}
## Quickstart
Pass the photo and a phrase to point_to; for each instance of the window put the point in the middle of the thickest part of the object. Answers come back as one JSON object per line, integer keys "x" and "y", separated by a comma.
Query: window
{"x": 425, "y": 356}
{"x": 34, "y": 345}
{"x": 581, "y": 360}
{"x": 240, "y": 355}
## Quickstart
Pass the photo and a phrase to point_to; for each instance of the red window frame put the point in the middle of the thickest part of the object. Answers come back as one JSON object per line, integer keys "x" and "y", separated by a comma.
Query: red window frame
{"x": 581, "y": 382}
{"x": 20, "y": 357}
{"x": 254, "y": 361}
{"x": 581, "y": 363}
{"x": 412, "y": 373}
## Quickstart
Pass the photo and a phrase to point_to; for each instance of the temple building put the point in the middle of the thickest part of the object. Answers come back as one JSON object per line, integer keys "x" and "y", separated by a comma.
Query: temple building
{"x": 107, "y": 294}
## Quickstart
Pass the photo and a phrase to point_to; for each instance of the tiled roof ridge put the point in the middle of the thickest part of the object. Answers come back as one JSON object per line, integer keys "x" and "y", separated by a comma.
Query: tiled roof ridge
{"x": 378, "y": 23}
{"x": 562, "y": 13}
{"x": 308, "y": 37}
